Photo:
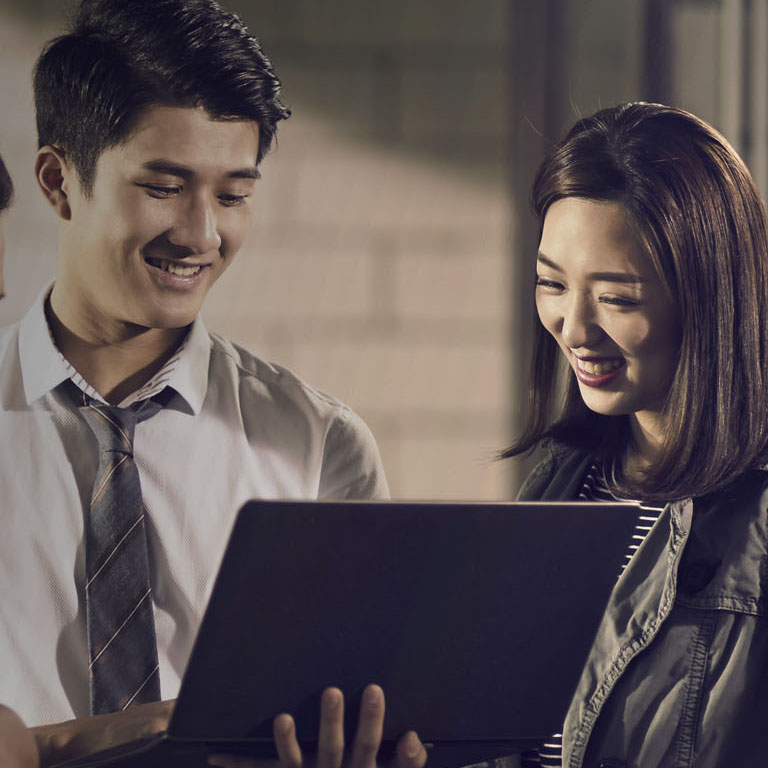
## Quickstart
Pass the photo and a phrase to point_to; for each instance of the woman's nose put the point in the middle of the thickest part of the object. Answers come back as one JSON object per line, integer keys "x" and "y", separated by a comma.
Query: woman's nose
{"x": 580, "y": 327}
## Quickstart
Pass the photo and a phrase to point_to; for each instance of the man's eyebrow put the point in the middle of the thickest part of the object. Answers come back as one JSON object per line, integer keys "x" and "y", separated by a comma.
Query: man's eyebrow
{"x": 611, "y": 277}
{"x": 245, "y": 173}
{"x": 182, "y": 171}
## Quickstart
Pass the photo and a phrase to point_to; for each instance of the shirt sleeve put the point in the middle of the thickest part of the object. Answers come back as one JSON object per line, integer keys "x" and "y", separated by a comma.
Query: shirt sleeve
{"x": 352, "y": 467}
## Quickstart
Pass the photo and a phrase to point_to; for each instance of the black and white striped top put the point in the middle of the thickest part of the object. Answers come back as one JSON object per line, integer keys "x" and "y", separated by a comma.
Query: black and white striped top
{"x": 595, "y": 488}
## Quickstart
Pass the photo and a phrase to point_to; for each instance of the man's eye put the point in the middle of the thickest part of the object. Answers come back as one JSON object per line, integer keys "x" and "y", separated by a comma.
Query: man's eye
{"x": 230, "y": 200}
{"x": 161, "y": 191}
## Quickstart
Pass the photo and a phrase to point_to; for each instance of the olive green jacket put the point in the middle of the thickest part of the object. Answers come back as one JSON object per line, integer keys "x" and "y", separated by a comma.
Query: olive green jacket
{"x": 678, "y": 672}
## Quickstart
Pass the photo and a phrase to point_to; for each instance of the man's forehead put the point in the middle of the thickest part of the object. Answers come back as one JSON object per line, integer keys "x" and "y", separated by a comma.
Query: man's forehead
{"x": 189, "y": 138}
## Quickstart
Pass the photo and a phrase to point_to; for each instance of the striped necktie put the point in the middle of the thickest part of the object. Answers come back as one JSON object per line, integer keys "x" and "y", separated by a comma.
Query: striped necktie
{"x": 121, "y": 627}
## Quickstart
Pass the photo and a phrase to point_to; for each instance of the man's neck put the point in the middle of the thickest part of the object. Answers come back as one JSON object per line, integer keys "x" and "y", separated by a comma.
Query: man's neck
{"x": 116, "y": 367}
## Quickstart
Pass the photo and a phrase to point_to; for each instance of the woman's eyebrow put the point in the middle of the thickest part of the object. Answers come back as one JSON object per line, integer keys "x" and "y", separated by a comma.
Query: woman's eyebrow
{"x": 546, "y": 260}
{"x": 611, "y": 277}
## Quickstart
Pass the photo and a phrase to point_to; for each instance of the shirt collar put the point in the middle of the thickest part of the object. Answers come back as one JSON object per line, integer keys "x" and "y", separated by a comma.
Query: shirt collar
{"x": 189, "y": 377}
{"x": 43, "y": 367}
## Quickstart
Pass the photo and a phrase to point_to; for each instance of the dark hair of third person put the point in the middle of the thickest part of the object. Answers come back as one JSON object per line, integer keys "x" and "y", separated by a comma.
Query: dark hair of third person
{"x": 92, "y": 84}
{"x": 699, "y": 215}
{"x": 6, "y": 187}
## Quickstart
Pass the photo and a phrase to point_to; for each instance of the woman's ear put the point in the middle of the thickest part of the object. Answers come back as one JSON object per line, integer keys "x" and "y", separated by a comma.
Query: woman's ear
{"x": 54, "y": 174}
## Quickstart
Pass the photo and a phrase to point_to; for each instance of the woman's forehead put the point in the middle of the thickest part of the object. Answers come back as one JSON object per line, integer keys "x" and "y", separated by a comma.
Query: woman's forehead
{"x": 593, "y": 236}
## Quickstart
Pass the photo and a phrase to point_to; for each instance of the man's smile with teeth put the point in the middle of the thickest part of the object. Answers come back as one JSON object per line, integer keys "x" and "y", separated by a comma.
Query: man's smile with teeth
{"x": 174, "y": 267}
{"x": 599, "y": 368}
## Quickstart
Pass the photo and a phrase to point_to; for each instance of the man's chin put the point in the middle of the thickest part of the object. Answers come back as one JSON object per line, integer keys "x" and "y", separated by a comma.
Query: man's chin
{"x": 163, "y": 322}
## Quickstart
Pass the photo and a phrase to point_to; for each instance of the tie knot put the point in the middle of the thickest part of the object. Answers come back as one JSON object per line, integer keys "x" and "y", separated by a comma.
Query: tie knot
{"x": 112, "y": 426}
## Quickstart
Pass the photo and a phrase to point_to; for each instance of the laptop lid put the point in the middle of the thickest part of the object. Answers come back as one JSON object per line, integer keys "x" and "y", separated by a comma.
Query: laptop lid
{"x": 475, "y": 618}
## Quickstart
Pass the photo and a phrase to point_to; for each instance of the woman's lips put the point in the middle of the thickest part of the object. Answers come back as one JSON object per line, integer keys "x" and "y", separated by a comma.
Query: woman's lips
{"x": 598, "y": 371}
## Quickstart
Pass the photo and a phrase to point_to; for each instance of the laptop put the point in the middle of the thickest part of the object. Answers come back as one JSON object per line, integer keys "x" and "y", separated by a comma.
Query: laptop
{"x": 475, "y": 618}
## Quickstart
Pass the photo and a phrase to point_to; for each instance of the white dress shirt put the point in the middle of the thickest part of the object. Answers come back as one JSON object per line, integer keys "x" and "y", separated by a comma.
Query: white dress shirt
{"x": 235, "y": 428}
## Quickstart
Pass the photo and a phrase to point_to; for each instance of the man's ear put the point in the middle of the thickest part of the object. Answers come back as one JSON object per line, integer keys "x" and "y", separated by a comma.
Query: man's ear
{"x": 54, "y": 176}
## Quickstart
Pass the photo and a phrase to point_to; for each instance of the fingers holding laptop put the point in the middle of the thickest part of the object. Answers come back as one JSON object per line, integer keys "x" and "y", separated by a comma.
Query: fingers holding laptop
{"x": 365, "y": 747}
{"x": 330, "y": 752}
{"x": 73, "y": 738}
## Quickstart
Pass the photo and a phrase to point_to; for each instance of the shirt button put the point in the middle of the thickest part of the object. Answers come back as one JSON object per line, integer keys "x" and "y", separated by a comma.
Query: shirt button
{"x": 696, "y": 576}
{"x": 612, "y": 762}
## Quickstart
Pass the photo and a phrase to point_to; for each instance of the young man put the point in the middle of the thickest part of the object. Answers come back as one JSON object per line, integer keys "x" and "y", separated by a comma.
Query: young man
{"x": 153, "y": 117}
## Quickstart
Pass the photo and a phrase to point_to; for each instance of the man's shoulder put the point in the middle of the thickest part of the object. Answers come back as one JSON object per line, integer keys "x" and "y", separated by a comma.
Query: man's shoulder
{"x": 269, "y": 392}
{"x": 262, "y": 379}
{"x": 273, "y": 401}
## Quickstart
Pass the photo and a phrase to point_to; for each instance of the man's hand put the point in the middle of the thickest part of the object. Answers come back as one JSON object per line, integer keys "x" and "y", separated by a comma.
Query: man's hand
{"x": 330, "y": 751}
{"x": 17, "y": 744}
{"x": 73, "y": 738}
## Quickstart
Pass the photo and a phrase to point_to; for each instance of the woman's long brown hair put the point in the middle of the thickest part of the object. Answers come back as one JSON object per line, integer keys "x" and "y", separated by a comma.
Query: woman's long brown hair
{"x": 695, "y": 207}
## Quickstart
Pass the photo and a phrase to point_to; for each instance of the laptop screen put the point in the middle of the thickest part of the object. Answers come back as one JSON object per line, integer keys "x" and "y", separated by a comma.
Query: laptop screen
{"x": 475, "y": 618}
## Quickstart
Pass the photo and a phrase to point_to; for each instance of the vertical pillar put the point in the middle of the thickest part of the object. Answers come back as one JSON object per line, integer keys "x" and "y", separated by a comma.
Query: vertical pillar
{"x": 656, "y": 80}
{"x": 732, "y": 73}
{"x": 758, "y": 94}
{"x": 539, "y": 57}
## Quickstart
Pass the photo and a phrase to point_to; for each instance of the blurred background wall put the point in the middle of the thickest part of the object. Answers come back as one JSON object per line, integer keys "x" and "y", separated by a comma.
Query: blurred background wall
{"x": 391, "y": 260}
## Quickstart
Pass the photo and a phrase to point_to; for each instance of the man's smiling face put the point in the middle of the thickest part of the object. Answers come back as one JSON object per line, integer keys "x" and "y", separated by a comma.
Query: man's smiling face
{"x": 169, "y": 209}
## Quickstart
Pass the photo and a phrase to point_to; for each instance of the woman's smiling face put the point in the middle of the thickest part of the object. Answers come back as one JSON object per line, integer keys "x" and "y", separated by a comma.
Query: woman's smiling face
{"x": 599, "y": 295}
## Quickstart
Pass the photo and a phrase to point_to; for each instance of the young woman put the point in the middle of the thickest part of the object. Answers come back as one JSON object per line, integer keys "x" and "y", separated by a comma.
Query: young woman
{"x": 652, "y": 289}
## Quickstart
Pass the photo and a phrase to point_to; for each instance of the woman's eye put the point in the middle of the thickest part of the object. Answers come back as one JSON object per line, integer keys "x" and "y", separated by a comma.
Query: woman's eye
{"x": 543, "y": 282}
{"x": 618, "y": 301}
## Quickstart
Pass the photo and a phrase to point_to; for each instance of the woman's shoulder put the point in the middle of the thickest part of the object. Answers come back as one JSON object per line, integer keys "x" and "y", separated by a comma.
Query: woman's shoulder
{"x": 749, "y": 488}
{"x": 558, "y": 474}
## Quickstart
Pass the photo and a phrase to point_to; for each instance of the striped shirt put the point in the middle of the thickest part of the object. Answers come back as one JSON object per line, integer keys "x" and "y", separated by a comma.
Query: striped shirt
{"x": 595, "y": 488}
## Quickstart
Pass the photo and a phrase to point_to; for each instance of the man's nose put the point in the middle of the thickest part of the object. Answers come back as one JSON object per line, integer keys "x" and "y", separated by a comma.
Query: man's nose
{"x": 196, "y": 227}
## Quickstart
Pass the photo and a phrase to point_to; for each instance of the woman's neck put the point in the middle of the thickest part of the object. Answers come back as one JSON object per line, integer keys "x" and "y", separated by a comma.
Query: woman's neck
{"x": 647, "y": 437}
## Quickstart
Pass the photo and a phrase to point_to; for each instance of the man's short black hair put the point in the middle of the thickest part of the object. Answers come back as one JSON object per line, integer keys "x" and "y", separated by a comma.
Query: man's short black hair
{"x": 122, "y": 56}
{"x": 6, "y": 187}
